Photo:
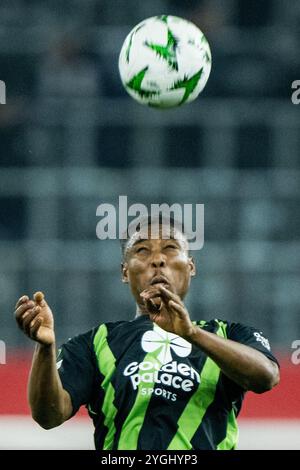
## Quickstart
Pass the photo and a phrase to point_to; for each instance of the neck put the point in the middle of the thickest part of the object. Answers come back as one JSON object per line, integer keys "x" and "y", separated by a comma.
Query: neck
{"x": 140, "y": 310}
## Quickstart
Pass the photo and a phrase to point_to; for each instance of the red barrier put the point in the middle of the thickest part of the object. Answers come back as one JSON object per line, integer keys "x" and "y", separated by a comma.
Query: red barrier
{"x": 282, "y": 402}
{"x": 13, "y": 388}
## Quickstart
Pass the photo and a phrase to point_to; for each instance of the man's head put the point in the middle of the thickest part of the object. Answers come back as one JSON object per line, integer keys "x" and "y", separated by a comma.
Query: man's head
{"x": 149, "y": 260}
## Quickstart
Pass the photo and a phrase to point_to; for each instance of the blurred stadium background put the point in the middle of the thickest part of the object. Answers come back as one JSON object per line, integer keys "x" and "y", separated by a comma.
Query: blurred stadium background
{"x": 71, "y": 139}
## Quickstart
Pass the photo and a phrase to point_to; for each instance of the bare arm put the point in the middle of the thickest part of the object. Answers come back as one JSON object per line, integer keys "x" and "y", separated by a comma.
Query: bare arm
{"x": 247, "y": 367}
{"x": 50, "y": 404}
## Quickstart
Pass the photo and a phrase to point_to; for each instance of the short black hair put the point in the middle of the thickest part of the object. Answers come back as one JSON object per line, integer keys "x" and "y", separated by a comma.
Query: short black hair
{"x": 148, "y": 221}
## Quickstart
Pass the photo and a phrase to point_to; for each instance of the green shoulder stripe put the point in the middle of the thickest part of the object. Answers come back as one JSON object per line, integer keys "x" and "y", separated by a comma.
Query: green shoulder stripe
{"x": 200, "y": 323}
{"x": 223, "y": 327}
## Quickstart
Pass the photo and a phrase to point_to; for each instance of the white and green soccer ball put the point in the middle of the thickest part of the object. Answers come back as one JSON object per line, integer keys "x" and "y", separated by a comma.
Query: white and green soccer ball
{"x": 165, "y": 61}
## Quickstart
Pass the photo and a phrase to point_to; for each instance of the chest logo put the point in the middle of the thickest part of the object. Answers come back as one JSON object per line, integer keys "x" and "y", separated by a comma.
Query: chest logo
{"x": 163, "y": 344}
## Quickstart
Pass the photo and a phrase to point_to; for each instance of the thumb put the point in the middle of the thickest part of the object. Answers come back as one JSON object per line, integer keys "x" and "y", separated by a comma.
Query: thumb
{"x": 39, "y": 298}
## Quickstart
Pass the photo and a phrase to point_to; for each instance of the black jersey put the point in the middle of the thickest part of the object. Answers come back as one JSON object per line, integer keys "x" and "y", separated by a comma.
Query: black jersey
{"x": 148, "y": 389}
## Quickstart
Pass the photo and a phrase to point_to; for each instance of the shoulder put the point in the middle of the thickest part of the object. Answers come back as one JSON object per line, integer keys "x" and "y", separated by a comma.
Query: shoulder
{"x": 231, "y": 330}
{"x": 81, "y": 348}
{"x": 241, "y": 333}
{"x": 87, "y": 338}
{"x": 213, "y": 325}
{"x": 82, "y": 339}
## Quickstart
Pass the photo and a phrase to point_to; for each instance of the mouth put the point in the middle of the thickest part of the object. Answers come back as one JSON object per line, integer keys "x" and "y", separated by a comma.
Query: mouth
{"x": 159, "y": 280}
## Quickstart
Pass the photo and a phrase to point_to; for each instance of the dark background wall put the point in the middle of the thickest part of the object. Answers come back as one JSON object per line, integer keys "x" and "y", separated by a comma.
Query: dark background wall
{"x": 70, "y": 139}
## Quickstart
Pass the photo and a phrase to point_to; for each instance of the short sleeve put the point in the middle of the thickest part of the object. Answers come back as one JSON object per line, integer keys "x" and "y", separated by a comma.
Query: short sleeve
{"x": 250, "y": 337}
{"x": 76, "y": 368}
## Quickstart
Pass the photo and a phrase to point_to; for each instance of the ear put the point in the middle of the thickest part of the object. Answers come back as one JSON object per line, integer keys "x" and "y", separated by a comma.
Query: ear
{"x": 192, "y": 267}
{"x": 124, "y": 270}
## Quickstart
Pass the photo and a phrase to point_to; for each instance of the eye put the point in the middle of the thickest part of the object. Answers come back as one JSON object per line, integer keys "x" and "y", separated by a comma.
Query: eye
{"x": 171, "y": 246}
{"x": 142, "y": 249}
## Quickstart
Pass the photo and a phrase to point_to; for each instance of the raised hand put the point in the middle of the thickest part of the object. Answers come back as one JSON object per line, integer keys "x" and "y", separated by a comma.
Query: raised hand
{"x": 167, "y": 310}
{"x": 35, "y": 318}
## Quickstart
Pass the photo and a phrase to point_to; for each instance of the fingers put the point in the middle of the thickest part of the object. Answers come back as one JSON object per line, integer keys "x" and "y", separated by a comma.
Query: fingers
{"x": 152, "y": 306}
{"x": 153, "y": 303}
{"x": 30, "y": 316}
{"x": 167, "y": 295}
{"x": 168, "y": 298}
{"x": 178, "y": 308}
{"x": 152, "y": 292}
{"x": 35, "y": 325}
{"x": 26, "y": 313}
{"x": 22, "y": 309}
{"x": 27, "y": 321}
{"x": 160, "y": 291}
{"x": 24, "y": 303}
{"x": 21, "y": 300}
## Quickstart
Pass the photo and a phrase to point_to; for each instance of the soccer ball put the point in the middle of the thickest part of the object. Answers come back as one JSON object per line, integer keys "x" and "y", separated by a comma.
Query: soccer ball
{"x": 165, "y": 61}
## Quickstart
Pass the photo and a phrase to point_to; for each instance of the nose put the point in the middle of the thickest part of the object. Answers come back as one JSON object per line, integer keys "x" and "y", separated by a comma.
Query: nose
{"x": 158, "y": 261}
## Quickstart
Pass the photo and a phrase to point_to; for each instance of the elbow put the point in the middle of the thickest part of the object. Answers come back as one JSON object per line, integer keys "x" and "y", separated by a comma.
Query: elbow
{"x": 46, "y": 426}
{"x": 52, "y": 415}
{"x": 270, "y": 379}
{"x": 47, "y": 423}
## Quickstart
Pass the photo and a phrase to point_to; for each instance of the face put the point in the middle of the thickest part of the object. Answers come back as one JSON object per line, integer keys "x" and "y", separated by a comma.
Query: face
{"x": 152, "y": 261}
